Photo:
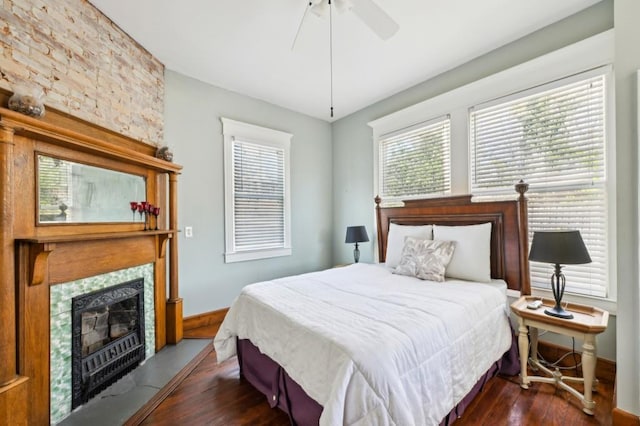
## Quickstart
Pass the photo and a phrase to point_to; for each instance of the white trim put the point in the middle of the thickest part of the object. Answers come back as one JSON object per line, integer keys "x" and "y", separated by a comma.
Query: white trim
{"x": 251, "y": 131}
{"x": 241, "y": 256}
{"x": 637, "y": 302}
{"x": 587, "y": 54}
{"x": 590, "y": 53}
{"x": 231, "y": 131}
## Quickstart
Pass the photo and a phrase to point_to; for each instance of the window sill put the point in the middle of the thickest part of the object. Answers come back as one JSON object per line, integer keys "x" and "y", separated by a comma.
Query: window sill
{"x": 255, "y": 255}
{"x": 609, "y": 305}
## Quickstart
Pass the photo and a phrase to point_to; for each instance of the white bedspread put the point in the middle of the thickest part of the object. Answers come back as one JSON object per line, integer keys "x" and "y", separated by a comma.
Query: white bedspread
{"x": 371, "y": 347}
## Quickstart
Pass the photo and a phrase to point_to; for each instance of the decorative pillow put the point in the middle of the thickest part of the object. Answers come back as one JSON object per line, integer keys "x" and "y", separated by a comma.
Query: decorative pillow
{"x": 472, "y": 258}
{"x": 425, "y": 259}
{"x": 396, "y": 236}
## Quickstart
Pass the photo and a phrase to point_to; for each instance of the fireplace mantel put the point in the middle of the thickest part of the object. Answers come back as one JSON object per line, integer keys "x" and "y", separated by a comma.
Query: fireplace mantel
{"x": 41, "y": 248}
{"x": 35, "y": 256}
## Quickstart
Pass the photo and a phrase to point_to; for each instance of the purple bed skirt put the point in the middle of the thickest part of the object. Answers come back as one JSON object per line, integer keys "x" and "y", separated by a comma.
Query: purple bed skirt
{"x": 282, "y": 391}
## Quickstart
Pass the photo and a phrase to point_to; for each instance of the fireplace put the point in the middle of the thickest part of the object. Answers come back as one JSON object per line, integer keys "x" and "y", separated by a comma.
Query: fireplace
{"x": 108, "y": 337}
{"x": 42, "y": 265}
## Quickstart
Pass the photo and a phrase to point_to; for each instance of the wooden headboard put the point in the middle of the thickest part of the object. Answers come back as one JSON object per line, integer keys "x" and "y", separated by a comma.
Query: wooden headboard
{"x": 509, "y": 234}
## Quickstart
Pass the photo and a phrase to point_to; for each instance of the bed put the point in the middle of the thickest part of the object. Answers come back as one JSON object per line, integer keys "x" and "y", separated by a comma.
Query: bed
{"x": 364, "y": 345}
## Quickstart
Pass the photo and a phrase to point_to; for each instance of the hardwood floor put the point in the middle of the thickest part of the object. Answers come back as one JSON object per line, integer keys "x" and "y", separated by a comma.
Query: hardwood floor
{"x": 213, "y": 394}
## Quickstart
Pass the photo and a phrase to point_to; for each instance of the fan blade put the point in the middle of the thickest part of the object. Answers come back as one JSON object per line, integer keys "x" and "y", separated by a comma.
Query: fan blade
{"x": 375, "y": 18}
{"x": 304, "y": 15}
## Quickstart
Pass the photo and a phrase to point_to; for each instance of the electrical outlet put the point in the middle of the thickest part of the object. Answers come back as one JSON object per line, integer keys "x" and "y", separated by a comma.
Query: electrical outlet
{"x": 188, "y": 231}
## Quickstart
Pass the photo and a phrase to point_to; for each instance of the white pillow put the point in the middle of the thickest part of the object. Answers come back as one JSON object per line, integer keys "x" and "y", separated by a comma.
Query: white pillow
{"x": 472, "y": 257}
{"x": 396, "y": 236}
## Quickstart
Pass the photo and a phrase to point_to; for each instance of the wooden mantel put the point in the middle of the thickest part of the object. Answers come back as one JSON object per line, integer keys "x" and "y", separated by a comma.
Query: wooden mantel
{"x": 34, "y": 257}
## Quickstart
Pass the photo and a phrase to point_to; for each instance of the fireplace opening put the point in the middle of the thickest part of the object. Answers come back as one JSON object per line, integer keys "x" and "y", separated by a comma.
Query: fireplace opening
{"x": 108, "y": 339}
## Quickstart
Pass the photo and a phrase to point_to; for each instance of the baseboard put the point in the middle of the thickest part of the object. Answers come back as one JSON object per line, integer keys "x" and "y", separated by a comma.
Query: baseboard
{"x": 605, "y": 369}
{"x": 204, "y": 319}
{"x": 163, "y": 393}
{"x": 622, "y": 418}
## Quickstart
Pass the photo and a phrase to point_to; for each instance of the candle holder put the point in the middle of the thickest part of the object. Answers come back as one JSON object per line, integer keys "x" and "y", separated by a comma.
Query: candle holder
{"x": 156, "y": 213}
{"x": 141, "y": 210}
{"x": 150, "y": 208}
{"x": 134, "y": 208}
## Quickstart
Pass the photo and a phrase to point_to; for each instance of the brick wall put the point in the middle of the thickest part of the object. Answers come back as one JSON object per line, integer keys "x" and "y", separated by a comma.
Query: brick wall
{"x": 84, "y": 63}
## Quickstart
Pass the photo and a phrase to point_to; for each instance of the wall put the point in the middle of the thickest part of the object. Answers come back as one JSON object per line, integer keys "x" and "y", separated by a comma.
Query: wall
{"x": 194, "y": 132}
{"x": 353, "y": 159}
{"x": 85, "y": 65}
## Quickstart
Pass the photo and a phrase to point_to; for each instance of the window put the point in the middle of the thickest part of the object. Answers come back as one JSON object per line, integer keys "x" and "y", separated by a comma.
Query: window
{"x": 257, "y": 192}
{"x": 414, "y": 161}
{"x": 553, "y": 137}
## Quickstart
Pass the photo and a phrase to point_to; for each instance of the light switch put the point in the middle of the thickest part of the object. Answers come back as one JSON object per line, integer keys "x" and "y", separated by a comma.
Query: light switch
{"x": 188, "y": 231}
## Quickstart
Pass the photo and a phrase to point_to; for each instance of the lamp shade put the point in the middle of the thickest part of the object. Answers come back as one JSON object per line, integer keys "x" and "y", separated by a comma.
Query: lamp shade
{"x": 356, "y": 234}
{"x": 559, "y": 247}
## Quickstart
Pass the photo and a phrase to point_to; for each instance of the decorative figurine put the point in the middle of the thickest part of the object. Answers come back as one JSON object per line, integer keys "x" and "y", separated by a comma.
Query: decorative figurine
{"x": 164, "y": 153}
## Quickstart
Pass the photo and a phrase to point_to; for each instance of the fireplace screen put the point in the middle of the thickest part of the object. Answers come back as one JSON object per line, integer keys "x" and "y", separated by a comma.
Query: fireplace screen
{"x": 108, "y": 337}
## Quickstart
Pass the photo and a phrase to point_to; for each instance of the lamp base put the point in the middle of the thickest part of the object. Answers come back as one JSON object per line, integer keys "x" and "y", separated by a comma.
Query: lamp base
{"x": 557, "y": 311}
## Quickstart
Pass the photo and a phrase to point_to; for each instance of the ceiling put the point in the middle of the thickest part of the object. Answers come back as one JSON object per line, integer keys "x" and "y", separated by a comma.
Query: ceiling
{"x": 245, "y": 45}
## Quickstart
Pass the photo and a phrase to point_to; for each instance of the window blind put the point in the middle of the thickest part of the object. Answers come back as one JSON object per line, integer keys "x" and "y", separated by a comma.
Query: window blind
{"x": 415, "y": 161}
{"x": 554, "y": 139}
{"x": 259, "y": 196}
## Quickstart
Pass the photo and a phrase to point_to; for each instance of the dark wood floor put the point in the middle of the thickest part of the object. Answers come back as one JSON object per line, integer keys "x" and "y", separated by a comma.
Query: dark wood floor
{"x": 213, "y": 394}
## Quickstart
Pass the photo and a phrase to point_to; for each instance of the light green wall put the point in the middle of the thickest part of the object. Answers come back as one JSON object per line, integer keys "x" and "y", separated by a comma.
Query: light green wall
{"x": 194, "y": 132}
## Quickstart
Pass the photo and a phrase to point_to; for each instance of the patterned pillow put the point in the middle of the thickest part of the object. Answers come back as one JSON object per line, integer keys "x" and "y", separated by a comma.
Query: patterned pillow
{"x": 425, "y": 259}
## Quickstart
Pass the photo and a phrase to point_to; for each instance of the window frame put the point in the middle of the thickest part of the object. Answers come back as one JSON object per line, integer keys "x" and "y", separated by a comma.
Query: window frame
{"x": 233, "y": 130}
{"x": 586, "y": 54}
{"x": 388, "y": 200}
{"x": 548, "y": 188}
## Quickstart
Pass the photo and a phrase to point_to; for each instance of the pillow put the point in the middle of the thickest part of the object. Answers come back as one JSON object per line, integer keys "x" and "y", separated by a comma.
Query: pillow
{"x": 396, "y": 236}
{"x": 472, "y": 258}
{"x": 425, "y": 259}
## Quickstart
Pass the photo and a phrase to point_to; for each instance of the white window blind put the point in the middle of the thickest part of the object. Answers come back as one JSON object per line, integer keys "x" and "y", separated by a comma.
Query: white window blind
{"x": 415, "y": 162}
{"x": 258, "y": 196}
{"x": 553, "y": 137}
{"x": 257, "y": 191}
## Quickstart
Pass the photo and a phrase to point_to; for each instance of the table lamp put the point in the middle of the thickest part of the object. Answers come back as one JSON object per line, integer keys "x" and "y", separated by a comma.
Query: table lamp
{"x": 356, "y": 234}
{"x": 558, "y": 247}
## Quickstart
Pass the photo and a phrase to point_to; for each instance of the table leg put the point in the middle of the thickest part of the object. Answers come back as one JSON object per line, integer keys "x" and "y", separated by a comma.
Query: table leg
{"x": 533, "y": 337}
{"x": 523, "y": 345}
{"x": 588, "y": 371}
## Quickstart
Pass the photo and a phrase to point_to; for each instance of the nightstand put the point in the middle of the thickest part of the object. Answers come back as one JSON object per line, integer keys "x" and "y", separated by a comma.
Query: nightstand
{"x": 586, "y": 323}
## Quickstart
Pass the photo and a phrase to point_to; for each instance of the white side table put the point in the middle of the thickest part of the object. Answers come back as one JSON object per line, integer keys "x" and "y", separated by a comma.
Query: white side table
{"x": 586, "y": 323}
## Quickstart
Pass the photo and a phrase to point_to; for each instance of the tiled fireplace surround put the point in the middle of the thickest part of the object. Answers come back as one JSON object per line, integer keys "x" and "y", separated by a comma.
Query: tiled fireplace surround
{"x": 60, "y": 336}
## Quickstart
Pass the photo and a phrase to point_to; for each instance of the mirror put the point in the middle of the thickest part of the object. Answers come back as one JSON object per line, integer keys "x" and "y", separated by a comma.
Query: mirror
{"x": 71, "y": 192}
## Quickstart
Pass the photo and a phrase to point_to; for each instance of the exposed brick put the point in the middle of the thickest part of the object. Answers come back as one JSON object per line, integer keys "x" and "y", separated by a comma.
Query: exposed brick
{"x": 86, "y": 64}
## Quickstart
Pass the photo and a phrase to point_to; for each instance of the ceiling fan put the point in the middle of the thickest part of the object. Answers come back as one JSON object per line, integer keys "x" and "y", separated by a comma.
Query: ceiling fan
{"x": 366, "y": 10}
